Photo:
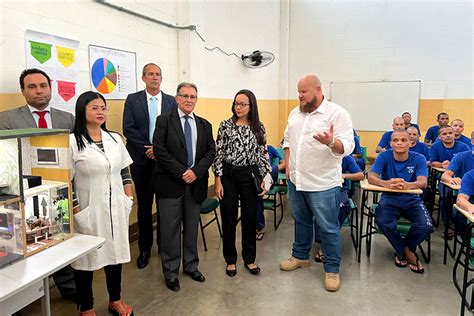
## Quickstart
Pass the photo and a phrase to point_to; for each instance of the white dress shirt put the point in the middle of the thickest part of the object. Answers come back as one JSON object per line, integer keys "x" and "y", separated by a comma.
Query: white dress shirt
{"x": 47, "y": 116}
{"x": 159, "y": 98}
{"x": 314, "y": 166}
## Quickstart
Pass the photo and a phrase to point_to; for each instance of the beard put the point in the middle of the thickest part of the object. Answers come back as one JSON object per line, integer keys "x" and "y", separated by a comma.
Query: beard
{"x": 309, "y": 106}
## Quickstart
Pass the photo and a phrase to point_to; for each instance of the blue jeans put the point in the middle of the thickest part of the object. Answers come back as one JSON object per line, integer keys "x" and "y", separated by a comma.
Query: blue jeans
{"x": 323, "y": 206}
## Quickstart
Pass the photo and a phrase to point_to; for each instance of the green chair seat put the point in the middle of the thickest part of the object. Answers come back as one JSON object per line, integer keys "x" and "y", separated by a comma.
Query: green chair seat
{"x": 209, "y": 205}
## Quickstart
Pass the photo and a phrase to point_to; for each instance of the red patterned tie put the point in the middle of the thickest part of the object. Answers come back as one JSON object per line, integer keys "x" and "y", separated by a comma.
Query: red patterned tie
{"x": 42, "y": 121}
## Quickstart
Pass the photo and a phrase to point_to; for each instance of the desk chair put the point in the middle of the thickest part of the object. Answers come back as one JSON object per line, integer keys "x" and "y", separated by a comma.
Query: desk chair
{"x": 273, "y": 200}
{"x": 208, "y": 206}
{"x": 403, "y": 226}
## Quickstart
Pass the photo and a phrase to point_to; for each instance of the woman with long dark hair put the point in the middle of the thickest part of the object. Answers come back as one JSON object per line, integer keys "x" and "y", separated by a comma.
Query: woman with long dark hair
{"x": 102, "y": 185}
{"x": 241, "y": 154}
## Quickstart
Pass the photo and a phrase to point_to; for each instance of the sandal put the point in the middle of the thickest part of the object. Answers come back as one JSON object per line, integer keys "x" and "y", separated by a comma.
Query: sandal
{"x": 416, "y": 267}
{"x": 319, "y": 256}
{"x": 400, "y": 262}
{"x": 259, "y": 235}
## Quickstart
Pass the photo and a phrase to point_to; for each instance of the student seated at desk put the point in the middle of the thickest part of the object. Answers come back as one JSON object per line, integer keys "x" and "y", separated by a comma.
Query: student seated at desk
{"x": 415, "y": 144}
{"x": 460, "y": 165}
{"x": 432, "y": 133}
{"x": 458, "y": 128}
{"x": 357, "y": 153}
{"x": 401, "y": 169}
{"x": 407, "y": 119}
{"x": 443, "y": 151}
{"x": 466, "y": 193}
{"x": 350, "y": 171}
{"x": 384, "y": 143}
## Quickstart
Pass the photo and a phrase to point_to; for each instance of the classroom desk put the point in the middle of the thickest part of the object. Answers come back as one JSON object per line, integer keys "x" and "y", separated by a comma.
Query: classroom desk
{"x": 447, "y": 201}
{"x": 466, "y": 250}
{"x": 26, "y": 280}
{"x": 434, "y": 175}
{"x": 366, "y": 188}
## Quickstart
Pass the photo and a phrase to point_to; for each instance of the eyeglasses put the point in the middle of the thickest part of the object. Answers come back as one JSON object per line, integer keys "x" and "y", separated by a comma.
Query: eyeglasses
{"x": 187, "y": 96}
{"x": 102, "y": 109}
{"x": 242, "y": 105}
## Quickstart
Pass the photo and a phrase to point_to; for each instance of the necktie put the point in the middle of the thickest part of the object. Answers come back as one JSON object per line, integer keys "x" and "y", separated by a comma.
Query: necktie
{"x": 188, "y": 135}
{"x": 153, "y": 113}
{"x": 42, "y": 121}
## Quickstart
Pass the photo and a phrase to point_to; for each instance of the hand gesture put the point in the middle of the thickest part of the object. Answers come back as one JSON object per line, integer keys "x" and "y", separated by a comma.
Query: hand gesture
{"x": 189, "y": 176}
{"x": 325, "y": 138}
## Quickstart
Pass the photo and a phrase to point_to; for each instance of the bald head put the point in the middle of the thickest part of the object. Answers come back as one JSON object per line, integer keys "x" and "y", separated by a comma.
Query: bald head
{"x": 398, "y": 123}
{"x": 310, "y": 93}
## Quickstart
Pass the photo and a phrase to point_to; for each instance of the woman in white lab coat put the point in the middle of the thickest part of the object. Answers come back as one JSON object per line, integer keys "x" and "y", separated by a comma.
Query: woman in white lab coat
{"x": 103, "y": 190}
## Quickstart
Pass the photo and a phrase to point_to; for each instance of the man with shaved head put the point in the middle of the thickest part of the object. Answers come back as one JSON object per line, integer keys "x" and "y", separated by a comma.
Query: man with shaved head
{"x": 415, "y": 144}
{"x": 318, "y": 135}
{"x": 432, "y": 133}
{"x": 384, "y": 144}
{"x": 401, "y": 169}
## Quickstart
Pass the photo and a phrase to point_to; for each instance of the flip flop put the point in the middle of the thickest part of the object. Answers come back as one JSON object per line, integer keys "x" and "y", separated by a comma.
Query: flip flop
{"x": 319, "y": 256}
{"x": 259, "y": 235}
{"x": 415, "y": 267}
{"x": 400, "y": 262}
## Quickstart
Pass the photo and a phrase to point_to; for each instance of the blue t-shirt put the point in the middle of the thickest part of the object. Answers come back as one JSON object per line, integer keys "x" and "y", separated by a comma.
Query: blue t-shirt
{"x": 349, "y": 165}
{"x": 273, "y": 153}
{"x": 357, "y": 150}
{"x": 465, "y": 140}
{"x": 432, "y": 133}
{"x": 415, "y": 126}
{"x": 467, "y": 184}
{"x": 462, "y": 163}
{"x": 385, "y": 140}
{"x": 421, "y": 148}
{"x": 387, "y": 167}
{"x": 440, "y": 153}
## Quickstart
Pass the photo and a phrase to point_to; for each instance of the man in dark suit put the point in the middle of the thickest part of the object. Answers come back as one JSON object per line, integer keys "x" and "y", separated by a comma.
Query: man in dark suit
{"x": 184, "y": 149}
{"x": 139, "y": 117}
{"x": 36, "y": 88}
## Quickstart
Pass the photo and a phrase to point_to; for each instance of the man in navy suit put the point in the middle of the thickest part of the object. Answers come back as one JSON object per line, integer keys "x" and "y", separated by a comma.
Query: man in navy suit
{"x": 139, "y": 117}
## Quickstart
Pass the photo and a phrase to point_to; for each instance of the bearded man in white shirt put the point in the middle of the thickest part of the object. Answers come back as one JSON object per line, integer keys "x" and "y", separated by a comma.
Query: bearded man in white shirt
{"x": 318, "y": 135}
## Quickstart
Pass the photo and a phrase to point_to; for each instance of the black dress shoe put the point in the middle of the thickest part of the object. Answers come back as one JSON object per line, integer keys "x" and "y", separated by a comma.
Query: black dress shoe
{"x": 142, "y": 260}
{"x": 231, "y": 273}
{"x": 254, "y": 271}
{"x": 196, "y": 276}
{"x": 173, "y": 285}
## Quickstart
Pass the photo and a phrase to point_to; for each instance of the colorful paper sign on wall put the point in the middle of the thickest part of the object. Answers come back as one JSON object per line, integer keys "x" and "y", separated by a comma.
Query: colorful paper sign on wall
{"x": 40, "y": 51}
{"x": 57, "y": 57}
{"x": 67, "y": 90}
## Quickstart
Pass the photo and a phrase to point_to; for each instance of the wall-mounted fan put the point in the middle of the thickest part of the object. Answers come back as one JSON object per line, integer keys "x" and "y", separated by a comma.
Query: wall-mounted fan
{"x": 257, "y": 59}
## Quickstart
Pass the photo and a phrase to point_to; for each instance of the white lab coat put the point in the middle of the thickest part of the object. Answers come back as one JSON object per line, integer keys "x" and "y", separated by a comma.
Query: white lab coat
{"x": 104, "y": 206}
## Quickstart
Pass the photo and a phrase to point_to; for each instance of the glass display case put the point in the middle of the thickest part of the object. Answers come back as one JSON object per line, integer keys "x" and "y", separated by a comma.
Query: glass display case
{"x": 35, "y": 191}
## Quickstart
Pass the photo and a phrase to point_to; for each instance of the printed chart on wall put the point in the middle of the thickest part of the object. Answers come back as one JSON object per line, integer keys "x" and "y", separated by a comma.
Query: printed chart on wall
{"x": 113, "y": 72}
{"x": 57, "y": 57}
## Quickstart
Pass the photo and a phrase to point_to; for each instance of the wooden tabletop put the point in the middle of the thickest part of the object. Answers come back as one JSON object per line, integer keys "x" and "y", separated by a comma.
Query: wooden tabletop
{"x": 467, "y": 214}
{"x": 451, "y": 186}
{"x": 438, "y": 169}
{"x": 365, "y": 185}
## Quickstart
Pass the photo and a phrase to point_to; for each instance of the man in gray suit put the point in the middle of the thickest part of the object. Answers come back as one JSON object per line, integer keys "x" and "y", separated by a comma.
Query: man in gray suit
{"x": 36, "y": 88}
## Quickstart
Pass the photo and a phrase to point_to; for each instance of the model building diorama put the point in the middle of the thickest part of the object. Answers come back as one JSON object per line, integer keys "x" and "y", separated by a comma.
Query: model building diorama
{"x": 35, "y": 191}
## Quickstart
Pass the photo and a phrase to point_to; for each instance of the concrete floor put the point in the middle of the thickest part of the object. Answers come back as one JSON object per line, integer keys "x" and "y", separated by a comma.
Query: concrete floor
{"x": 373, "y": 287}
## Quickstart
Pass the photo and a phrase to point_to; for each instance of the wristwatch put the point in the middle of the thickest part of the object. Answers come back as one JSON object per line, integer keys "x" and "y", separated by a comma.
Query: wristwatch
{"x": 331, "y": 144}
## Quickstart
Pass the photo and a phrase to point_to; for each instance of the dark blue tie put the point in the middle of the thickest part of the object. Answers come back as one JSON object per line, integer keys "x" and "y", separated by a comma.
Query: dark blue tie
{"x": 188, "y": 135}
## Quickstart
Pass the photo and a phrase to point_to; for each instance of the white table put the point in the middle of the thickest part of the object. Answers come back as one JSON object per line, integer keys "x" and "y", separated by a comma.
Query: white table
{"x": 27, "y": 280}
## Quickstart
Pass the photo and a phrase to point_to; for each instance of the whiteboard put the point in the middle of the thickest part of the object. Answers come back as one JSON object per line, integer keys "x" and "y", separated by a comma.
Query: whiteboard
{"x": 373, "y": 105}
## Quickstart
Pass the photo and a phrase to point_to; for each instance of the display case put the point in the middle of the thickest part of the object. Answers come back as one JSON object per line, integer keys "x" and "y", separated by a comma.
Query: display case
{"x": 35, "y": 191}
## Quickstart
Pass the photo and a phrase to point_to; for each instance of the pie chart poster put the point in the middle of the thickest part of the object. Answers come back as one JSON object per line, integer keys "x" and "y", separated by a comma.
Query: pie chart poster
{"x": 112, "y": 72}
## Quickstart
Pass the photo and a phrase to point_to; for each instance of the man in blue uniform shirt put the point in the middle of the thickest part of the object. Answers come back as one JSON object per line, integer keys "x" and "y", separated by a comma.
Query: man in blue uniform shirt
{"x": 458, "y": 128}
{"x": 443, "y": 151}
{"x": 407, "y": 119}
{"x": 466, "y": 193}
{"x": 384, "y": 143}
{"x": 416, "y": 145}
{"x": 401, "y": 169}
{"x": 460, "y": 165}
{"x": 357, "y": 153}
{"x": 432, "y": 133}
